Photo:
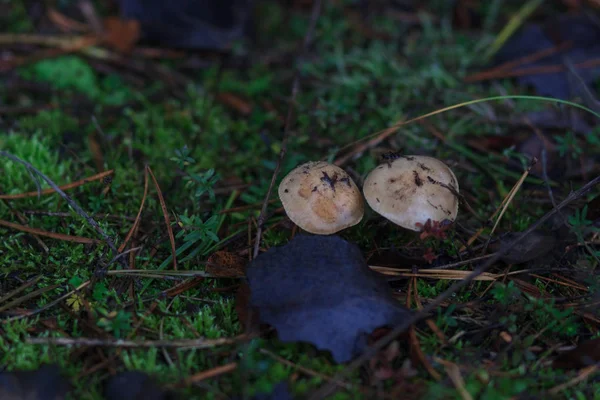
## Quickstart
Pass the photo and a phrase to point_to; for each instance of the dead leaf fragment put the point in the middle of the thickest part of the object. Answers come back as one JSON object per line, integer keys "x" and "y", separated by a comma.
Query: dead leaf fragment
{"x": 532, "y": 246}
{"x": 584, "y": 355}
{"x": 319, "y": 289}
{"x": 226, "y": 264}
{"x": 121, "y": 35}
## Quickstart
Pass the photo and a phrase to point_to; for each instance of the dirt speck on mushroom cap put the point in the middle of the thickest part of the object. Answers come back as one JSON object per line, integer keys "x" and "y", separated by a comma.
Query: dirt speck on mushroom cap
{"x": 321, "y": 198}
{"x": 412, "y": 189}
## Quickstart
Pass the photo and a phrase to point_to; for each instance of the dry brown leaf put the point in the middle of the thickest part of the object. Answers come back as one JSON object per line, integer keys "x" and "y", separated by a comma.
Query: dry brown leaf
{"x": 584, "y": 355}
{"x": 226, "y": 264}
{"x": 121, "y": 35}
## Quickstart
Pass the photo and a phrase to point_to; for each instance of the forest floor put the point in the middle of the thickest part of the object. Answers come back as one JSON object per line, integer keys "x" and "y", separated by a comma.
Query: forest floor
{"x": 170, "y": 151}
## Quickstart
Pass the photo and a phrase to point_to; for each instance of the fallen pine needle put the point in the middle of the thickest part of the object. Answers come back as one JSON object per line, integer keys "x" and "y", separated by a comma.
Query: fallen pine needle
{"x": 163, "y": 206}
{"x": 139, "y": 214}
{"x": 511, "y": 195}
{"x": 68, "y": 186}
{"x": 19, "y": 289}
{"x": 203, "y": 375}
{"x": 454, "y": 374}
{"x": 434, "y": 273}
{"x": 583, "y": 375}
{"x": 58, "y": 236}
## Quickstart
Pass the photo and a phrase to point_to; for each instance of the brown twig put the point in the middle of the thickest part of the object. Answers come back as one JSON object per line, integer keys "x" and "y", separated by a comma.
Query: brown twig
{"x": 316, "y": 10}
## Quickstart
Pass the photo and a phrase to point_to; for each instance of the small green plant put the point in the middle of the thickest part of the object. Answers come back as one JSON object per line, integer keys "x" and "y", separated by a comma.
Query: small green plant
{"x": 116, "y": 322}
{"x": 582, "y": 226}
{"x": 567, "y": 144}
{"x": 202, "y": 181}
{"x": 445, "y": 319}
{"x": 506, "y": 294}
{"x": 198, "y": 233}
{"x": 553, "y": 320}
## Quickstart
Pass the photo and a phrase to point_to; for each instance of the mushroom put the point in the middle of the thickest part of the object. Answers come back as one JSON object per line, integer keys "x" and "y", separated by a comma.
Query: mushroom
{"x": 409, "y": 190}
{"x": 321, "y": 198}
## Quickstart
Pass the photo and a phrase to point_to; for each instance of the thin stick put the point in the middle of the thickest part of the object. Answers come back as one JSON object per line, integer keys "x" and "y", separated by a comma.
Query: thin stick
{"x": 179, "y": 343}
{"x": 316, "y": 10}
{"x": 388, "y": 338}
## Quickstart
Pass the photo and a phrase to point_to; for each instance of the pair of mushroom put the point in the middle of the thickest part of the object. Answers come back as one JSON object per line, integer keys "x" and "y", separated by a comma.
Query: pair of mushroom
{"x": 407, "y": 190}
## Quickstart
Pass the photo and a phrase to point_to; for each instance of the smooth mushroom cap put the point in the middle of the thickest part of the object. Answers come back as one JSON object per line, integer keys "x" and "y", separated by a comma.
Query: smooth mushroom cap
{"x": 411, "y": 190}
{"x": 321, "y": 198}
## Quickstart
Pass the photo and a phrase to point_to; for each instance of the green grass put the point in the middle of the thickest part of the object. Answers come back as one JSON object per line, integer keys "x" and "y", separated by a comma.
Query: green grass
{"x": 351, "y": 88}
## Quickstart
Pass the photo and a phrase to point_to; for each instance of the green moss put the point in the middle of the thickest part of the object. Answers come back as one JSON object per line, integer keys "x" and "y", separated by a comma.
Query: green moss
{"x": 37, "y": 151}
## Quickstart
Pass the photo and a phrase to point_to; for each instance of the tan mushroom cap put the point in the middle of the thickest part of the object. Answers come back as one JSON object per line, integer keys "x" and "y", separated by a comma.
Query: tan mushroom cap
{"x": 411, "y": 190}
{"x": 321, "y": 198}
